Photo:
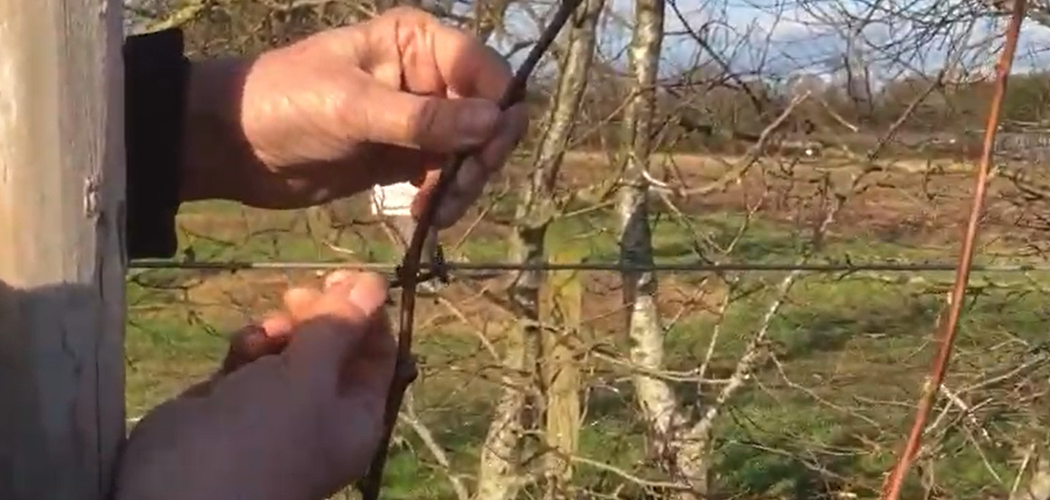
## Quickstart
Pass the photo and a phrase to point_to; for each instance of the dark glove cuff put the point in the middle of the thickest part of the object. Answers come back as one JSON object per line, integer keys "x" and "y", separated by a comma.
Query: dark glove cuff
{"x": 156, "y": 75}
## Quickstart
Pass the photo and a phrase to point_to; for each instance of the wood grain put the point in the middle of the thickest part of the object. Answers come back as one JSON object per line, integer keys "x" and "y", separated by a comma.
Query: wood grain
{"x": 61, "y": 248}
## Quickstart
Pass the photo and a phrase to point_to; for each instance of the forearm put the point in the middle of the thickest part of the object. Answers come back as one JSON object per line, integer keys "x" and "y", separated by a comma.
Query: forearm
{"x": 214, "y": 153}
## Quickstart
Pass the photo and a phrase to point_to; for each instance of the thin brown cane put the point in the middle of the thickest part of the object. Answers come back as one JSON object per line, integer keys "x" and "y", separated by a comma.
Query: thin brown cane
{"x": 409, "y": 274}
{"x": 895, "y": 480}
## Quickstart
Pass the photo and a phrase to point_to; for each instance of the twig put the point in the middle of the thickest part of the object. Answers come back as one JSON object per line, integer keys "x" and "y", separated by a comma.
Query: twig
{"x": 895, "y": 480}
{"x": 838, "y": 118}
{"x": 966, "y": 410}
{"x": 647, "y": 483}
{"x": 754, "y": 154}
{"x": 409, "y": 272}
{"x": 1021, "y": 469}
{"x": 409, "y": 417}
{"x": 754, "y": 354}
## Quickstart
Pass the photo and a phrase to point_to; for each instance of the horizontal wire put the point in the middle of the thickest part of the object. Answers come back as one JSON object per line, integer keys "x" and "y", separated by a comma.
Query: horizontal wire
{"x": 475, "y": 267}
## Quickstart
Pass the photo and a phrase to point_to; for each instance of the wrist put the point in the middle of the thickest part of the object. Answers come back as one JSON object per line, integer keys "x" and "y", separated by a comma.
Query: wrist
{"x": 214, "y": 148}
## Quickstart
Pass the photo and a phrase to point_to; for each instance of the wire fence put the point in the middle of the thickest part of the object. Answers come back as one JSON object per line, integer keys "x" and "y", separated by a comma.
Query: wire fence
{"x": 844, "y": 327}
{"x": 487, "y": 268}
{"x": 796, "y": 380}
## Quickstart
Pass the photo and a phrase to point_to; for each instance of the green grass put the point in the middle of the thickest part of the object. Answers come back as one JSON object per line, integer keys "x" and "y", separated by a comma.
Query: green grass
{"x": 853, "y": 342}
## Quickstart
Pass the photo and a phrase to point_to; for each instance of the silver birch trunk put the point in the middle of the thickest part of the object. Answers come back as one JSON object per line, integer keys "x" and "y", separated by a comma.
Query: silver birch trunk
{"x": 656, "y": 399}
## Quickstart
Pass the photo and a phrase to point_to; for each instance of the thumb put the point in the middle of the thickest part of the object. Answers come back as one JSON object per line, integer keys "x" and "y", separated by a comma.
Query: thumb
{"x": 430, "y": 123}
{"x": 334, "y": 327}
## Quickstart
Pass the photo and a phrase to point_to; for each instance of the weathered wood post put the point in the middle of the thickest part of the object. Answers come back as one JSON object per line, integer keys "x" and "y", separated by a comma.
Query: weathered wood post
{"x": 61, "y": 256}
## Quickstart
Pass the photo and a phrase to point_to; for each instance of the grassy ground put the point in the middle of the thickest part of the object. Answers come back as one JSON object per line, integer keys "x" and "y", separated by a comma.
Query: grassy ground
{"x": 854, "y": 349}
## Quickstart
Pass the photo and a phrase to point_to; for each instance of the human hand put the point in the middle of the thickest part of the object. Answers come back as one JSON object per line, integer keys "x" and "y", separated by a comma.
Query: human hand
{"x": 379, "y": 102}
{"x": 294, "y": 413}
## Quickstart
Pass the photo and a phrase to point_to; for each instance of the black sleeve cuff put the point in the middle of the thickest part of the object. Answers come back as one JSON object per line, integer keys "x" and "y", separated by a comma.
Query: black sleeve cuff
{"x": 155, "y": 79}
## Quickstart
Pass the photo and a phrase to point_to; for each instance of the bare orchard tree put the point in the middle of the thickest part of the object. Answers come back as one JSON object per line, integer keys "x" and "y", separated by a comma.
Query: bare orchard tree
{"x": 656, "y": 399}
{"x": 679, "y": 448}
{"x": 515, "y": 415}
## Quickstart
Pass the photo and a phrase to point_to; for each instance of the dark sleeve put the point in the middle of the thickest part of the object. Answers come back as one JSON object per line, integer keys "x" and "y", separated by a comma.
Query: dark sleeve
{"x": 155, "y": 80}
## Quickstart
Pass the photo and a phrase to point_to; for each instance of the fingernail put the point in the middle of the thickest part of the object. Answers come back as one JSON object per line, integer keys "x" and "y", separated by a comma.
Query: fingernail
{"x": 477, "y": 120}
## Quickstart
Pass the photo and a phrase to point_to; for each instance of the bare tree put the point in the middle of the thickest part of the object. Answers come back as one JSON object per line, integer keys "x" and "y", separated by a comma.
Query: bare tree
{"x": 656, "y": 399}
{"x": 498, "y": 474}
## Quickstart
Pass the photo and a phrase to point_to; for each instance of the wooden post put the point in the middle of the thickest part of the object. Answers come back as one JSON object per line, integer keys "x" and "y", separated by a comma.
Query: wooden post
{"x": 61, "y": 248}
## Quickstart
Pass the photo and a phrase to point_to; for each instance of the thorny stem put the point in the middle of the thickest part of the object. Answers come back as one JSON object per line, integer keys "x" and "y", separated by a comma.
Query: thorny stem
{"x": 409, "y": 273}
{"x": 894, "y": 481}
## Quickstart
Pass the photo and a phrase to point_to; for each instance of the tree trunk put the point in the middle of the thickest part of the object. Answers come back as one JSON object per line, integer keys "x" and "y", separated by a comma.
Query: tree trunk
{"x": 685, "y": 462}
{"x": 562, "y": 312}
{"x": 499, "y": 477}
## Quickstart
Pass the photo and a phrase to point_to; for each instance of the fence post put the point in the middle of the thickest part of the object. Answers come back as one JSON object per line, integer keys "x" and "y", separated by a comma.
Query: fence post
{"x": 61, "y": 248}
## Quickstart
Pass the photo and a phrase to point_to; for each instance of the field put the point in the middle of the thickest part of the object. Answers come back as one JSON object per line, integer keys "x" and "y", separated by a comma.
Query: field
{"x": 850, "y": 350}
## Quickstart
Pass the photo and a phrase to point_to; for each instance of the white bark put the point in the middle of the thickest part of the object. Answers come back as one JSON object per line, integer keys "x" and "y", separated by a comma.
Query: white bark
{"x": 681, "y": 441}
{"x": 655, "y": 397}
{"x": 499, "y": 477}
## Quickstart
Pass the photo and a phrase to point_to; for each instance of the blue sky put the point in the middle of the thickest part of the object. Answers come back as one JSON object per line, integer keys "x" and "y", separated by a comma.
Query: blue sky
{"x": 782, "y": 36}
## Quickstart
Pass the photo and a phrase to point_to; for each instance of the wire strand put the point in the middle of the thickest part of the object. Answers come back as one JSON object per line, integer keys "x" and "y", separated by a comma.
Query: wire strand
{"x": 475, "y": 267}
